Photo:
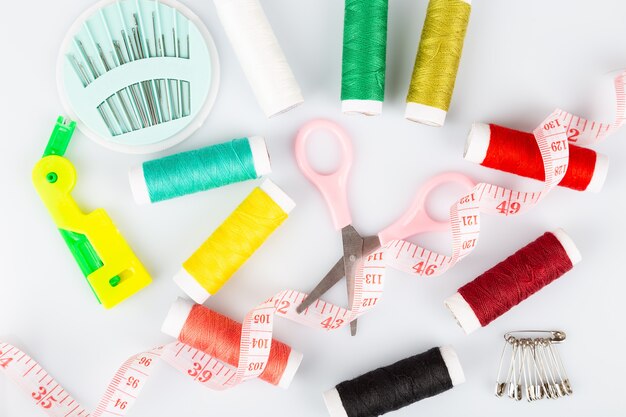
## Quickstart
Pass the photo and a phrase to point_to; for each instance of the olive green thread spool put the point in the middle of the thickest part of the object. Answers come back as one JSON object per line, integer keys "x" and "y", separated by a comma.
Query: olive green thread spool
{"x": 437, "y": 61}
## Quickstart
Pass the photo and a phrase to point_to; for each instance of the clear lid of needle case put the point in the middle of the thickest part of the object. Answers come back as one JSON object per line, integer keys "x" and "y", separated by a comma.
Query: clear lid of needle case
{"x": 139, "y": 76}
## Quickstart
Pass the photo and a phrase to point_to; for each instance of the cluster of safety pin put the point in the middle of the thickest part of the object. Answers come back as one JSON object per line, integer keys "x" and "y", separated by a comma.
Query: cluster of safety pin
{"x": 535, "y": 367}
{"x": 145, "y": 103}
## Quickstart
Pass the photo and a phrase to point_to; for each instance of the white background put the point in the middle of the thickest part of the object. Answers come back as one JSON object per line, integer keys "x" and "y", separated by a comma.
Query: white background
{"x": 521, "y": 60}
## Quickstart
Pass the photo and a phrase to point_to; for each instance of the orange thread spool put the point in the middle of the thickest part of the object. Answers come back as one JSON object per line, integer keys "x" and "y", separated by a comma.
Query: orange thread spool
{"x": 219, "y": 336}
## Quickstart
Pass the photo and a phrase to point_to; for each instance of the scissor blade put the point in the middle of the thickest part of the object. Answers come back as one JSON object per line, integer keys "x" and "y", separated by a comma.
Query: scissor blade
{"x": 332, "y": 277}
{"x": 335, "y": 274}
{"x": 352, "y": 253}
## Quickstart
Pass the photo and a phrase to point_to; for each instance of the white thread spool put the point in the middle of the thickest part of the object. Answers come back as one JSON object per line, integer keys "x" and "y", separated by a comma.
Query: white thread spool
{"x": 260, "y": 55}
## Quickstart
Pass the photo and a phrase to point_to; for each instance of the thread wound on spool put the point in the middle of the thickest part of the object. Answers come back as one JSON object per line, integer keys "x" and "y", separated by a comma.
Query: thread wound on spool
{"x": 437, "y": 61}
{"x": 234, "y": 241}
{"x": 260, "y": 55}
{"x": 395, "y": 386}
{"x": 200, "y": 170}
{"x": 517, "y": 152}
{"x": 513, "y": 280}
{"x": 364, "y": 56}
{"x": 219, "y": 336}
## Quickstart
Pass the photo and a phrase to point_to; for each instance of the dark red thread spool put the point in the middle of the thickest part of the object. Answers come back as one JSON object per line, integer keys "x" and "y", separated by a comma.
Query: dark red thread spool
{"x": 219, "y": 336}
{"x": 517, "y": 152}
{"x": 496, "y": 291}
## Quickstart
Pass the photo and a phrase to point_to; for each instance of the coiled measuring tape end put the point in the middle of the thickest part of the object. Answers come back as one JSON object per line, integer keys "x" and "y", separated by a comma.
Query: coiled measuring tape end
{"x": 464, "y": 313}
{"x": 111, "y": 268}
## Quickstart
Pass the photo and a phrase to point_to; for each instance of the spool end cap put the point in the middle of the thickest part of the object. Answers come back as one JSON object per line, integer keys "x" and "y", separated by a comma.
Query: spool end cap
{"x": 334, "y": 404}
{"x": 138, "y": 185}
{"x": 424, "y": 114}
{"x": 568, "y": 244}
{"x": 293, "y": 363}
{"x": 463, "y": 313}
{"x": 190, "y": 286}
{"x": 176, "y": 317}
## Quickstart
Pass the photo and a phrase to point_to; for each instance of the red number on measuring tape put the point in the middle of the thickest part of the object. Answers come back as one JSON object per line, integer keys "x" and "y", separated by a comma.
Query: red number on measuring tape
{"x": 197, "y": 367}
{"x": 467, "y": 199}
{"x": 261, "y": 318}
{"x": 469, "y": 244}
{"x": 328, "y": 323}
{"x": 505, "y": 208}
{"x": 132, "y": 382}
{"x": 284, "y": 305}
{"x": 369, "y": 302}
{"x": 572, "y": 135}
{"x": 559, "y": 145}
{"x": 145, "y": 361}
{"x": 197, "y": 372}
{"x": 560, "y": 170}
{"x": 375, "y": 279}
{"x": 120, "y": 404}
{"x": 552, "y": 124}
{"x": 470, "y": 220}
{"x": 47, "y": 403}
{"x": 255, "y": 366}
{"x": 421, "y": 268}
{"x": 39, "y": 395}
{"x": 378, "y": 256}
{"x": 4, "y": 362}
{"x": 206, "y": 375}
{"x": 260, "y": 343}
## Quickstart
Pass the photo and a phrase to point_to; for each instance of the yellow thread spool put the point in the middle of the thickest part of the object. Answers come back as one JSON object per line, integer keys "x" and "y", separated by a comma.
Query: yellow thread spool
{"x": 234, "y": 241}
{"x": 437, "y": 61}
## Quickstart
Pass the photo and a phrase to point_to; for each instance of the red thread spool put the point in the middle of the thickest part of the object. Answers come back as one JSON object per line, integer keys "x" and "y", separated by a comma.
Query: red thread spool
{"x": 517, "y": 152}
{"x": 478, "y": 303}
{"x": 219, "y": 336}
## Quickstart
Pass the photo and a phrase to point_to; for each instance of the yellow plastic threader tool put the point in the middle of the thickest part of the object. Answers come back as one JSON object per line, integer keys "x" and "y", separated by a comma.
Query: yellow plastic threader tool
{"x": 108, "y": 263}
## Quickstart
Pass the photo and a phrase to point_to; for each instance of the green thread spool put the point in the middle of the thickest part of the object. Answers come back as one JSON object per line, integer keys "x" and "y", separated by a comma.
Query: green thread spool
{"x": 437, "y": 61}
{"x": 364, "y": 56}
{"x": 200, "y": 170}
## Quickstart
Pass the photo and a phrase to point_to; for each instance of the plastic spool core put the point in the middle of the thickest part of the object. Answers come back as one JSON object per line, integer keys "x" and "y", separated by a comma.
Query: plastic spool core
{"x": 100, "y": 24}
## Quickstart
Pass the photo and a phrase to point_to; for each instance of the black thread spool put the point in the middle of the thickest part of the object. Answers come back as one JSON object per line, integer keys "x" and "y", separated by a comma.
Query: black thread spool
{"x": 395, "y": 386}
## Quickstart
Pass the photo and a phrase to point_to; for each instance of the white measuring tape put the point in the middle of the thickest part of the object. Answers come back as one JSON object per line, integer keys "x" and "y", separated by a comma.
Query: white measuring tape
{"x": 552, "y": 137}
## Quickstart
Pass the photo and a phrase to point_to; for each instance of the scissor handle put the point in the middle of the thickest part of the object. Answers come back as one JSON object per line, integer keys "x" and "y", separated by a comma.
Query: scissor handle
{"x": 416, "y": 219}
{"x": 333, "y": 185}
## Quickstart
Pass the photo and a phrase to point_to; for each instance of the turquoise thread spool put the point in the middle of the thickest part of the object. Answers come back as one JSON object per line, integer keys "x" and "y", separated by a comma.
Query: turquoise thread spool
{"x": 200, "y": 170}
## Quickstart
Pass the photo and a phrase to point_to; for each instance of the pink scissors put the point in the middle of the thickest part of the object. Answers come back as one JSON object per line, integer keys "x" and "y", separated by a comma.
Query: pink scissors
{"x": 333, "y": 188}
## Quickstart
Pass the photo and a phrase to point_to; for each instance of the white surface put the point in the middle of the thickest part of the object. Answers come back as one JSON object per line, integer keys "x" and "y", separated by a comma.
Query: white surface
{"x": 47, "y": 308}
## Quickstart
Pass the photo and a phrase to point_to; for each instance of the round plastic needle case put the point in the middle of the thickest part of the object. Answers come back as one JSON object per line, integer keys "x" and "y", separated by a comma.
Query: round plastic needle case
{"x": 139, "y": 76}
